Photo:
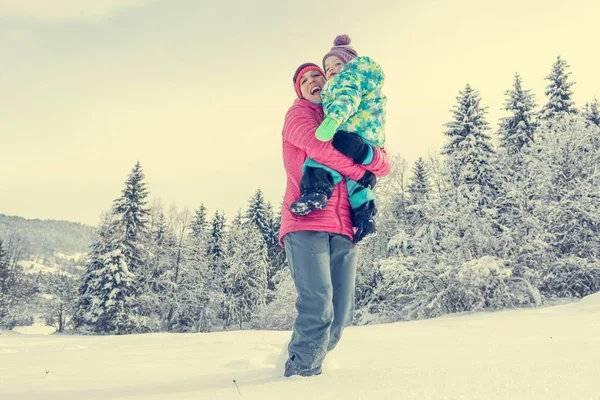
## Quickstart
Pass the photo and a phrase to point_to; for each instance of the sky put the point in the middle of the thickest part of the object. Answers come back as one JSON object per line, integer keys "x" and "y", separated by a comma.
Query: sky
{"x": 197, "y": 91}
{"x": 545, "y": 353}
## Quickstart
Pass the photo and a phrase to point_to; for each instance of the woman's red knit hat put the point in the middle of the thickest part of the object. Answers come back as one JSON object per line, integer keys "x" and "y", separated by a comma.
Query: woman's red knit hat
{"x": 301, "y": 70}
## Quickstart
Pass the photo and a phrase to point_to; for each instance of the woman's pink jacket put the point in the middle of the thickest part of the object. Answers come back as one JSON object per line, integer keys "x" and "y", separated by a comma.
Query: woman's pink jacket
{"x": 299, "y": 142}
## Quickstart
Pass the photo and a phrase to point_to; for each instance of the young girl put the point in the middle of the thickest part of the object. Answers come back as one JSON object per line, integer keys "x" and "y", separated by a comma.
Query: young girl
{"x": 353, "y": 102}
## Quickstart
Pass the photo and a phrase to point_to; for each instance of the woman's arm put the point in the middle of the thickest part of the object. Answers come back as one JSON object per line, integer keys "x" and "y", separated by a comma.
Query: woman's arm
{"x": 299, "y": 130}
{"x": 371, "y": 157}
{"x": 380, "y": 165}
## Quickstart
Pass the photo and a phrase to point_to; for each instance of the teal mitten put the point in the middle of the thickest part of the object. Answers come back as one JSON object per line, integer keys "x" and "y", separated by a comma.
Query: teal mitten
{"x": 326, "y": 130}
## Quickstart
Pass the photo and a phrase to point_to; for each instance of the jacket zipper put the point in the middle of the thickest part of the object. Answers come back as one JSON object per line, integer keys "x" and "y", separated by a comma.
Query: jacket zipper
{"x": 337, "y": 209}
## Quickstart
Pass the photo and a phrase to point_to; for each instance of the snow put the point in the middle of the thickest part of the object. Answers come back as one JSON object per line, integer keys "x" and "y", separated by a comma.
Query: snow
{"x": 38, "y": 328}
{"x": 37, "y": 265}
{"x": 544, "y": 353}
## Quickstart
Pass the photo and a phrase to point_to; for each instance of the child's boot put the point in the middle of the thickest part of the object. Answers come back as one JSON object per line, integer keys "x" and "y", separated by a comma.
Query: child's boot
{"x": 308, "y": 203}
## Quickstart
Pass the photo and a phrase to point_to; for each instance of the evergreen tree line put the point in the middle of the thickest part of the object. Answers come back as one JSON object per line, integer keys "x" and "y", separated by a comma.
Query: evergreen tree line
{"x": 150, "y": 272}
{"x": 478, "y": 226}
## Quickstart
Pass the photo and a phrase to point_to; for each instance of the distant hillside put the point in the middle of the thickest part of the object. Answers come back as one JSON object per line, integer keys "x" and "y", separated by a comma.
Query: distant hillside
{"x": 48, "y": 236}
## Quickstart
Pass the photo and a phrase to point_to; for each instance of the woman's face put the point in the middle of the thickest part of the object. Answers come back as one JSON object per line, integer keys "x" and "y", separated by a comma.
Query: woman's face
{"x": 311, "y": 84}
{"x": 333, "y": 65}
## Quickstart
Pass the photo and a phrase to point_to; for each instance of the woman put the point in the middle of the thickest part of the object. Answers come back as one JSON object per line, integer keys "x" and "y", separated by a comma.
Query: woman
{"x": 319, "y": 246}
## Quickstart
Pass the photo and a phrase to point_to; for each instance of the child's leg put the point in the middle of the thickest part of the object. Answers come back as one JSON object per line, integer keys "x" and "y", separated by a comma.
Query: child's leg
{"x": 363, "y": 209}
{"x": 316, "y": 187}
{"x": 316, "y": 180}
{"x": 363, "y": 219}
{"x": 358, "y": 194}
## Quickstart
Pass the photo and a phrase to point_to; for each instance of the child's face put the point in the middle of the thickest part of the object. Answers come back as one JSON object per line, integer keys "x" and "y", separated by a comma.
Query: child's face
{"x": 311, "y": 84}
{"x": 333, "y": 65}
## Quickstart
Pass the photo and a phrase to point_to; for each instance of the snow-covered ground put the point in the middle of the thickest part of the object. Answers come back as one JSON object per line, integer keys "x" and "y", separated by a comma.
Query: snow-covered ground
{"x": 38, "y": 264}
{"x": 546, "y": 353}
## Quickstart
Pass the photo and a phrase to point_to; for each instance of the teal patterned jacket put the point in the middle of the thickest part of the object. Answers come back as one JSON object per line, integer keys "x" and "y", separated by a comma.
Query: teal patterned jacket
{"x": 354, "y": 99}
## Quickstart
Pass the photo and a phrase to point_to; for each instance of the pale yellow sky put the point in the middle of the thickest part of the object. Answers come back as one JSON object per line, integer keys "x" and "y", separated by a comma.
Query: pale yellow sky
{"x": 197, "y": 91}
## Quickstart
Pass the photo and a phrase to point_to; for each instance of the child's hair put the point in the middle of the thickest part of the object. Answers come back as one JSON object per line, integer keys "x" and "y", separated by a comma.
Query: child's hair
{"x": 341, "y": 49}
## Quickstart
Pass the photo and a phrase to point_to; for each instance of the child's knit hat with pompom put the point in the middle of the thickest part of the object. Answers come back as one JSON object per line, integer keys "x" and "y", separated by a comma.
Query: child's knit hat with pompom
{"x": 341, "y": 49}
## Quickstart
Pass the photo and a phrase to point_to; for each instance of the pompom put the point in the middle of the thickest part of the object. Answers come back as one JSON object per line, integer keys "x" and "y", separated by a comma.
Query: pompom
{"x": 341, "y": 40}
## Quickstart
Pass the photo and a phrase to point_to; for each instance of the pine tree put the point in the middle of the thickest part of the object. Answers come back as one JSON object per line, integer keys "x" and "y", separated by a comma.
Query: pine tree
{"x": 469, "y": 149}
{"x": 195, "y": 299}
{"x": 558, "y": 91}
{"x": 107, "y": 284}
{"x": 275, "y": 253}
{"x": 131, "y": 207}
{"x": 591, "y": 112}
{"x": 516, "y": 135}
{"x": 518, "y": 129}
{"x": 565, "y": 198}
{"x": 260, "y": 214}
{"x": 564, "y": 175}
{"x": 418, "y": 189}
{"x": 217, "y": 233}
{"x": 200, "y": 225}
{"x": 419, "y": 186}
{"x": 245, "y": 283}
{"x": 468, "y": 206}
{"x": 257, "y": 214}
{"x": 216, "y": 245}
{"x": 162, "y": 247}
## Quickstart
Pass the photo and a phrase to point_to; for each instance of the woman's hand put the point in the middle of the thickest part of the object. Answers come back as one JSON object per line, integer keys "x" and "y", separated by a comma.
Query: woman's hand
{"x": 351, "y": 145}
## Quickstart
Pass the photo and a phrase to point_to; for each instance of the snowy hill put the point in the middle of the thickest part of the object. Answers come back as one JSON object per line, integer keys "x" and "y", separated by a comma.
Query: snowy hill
{"x": 48, "y": 246}
{"x": 44, "y": 237}
{"x": 546, "y": 353}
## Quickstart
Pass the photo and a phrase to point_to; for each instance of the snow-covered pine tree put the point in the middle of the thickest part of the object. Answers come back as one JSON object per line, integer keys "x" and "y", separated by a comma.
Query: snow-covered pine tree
{"x": 132, "y": 210}
{"x": 194, "y": 303}
{"x": 275, "y": 253}
{"x": 419, "y": 186}
{"x": 565, "y": 192}
{"x": 591, "y": 112}
{"x": 260, "y": 214}
{"x": 200, "y": 225}
{"x": 568, "y": 185}
{"x": 392, "y": 238}
{"x": 517, "y": 130}
{"x": 155, "y": 286}
{"x": 469, "y": 149}
{"x": 469, "y": 203}
{"x": 216, "y": 245}
{"x": 430, "y": 229}
{"x": 162, "y": 248}
{"x": 418, "y": 190}
{"x": 558, "y": 91}
{"x": 257, "y": 214}
{"x": 107, "y": 284}
{"x": 245, "y": 282}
